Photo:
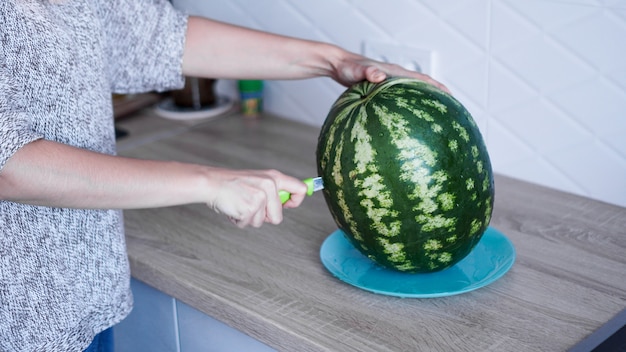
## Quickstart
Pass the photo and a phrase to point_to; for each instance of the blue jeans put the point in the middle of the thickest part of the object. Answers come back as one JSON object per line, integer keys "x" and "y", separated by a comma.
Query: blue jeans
{"x": 103, "y": 342}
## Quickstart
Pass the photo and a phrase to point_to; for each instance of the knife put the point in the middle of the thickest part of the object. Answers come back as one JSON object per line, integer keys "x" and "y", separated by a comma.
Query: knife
{"x": 314, "y": 184}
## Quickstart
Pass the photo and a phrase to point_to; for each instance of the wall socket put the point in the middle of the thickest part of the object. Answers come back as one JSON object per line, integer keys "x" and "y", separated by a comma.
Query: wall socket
{"x": 411, "y": 58}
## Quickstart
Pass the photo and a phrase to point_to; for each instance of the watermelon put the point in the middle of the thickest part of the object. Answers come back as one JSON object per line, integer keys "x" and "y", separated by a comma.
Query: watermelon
{"x": 406, "y": 174}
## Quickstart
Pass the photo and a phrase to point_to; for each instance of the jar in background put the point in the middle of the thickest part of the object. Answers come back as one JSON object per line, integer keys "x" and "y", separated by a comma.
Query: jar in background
{"x": 251, "y": 94}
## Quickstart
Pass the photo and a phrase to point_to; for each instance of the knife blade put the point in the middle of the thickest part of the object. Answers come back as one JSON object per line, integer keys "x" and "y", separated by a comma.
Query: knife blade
{"x": 313, "y": 185}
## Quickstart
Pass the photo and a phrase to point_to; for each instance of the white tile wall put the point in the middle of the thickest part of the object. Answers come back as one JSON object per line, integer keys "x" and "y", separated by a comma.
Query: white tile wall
{"x": 545, "y": 79}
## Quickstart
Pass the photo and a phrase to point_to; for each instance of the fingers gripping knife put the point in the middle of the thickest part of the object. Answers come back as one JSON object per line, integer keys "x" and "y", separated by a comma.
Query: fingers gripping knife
{"x": 314, "y": 184}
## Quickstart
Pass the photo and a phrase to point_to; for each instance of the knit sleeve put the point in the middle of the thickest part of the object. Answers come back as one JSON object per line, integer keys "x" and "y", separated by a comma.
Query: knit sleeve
{"x": 15, "y": 125}
{"x": 144, "y": 42}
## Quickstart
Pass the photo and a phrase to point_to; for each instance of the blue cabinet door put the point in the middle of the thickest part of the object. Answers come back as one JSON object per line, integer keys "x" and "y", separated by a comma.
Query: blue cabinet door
{"x": 200, "y": 332}
{"x": 160, "y": 323}
{"x": 151, "y": 326}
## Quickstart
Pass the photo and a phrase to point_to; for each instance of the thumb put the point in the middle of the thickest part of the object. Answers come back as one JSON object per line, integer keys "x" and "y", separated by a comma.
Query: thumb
{"x": 374, "y": 74}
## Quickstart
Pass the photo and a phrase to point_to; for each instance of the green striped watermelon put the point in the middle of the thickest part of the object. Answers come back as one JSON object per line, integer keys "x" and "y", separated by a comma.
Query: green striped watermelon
{"x": 406, "y": 174}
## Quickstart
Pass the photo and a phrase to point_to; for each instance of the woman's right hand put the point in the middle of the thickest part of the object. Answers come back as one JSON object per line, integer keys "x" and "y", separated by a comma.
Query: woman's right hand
{"x": 250, "y": 197}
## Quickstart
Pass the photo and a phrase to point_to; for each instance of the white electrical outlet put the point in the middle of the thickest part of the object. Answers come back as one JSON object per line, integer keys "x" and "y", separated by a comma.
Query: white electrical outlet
{"x": 411, "y": 58}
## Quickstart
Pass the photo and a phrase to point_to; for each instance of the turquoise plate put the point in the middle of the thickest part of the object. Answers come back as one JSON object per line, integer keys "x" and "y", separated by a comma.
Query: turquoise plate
{"x": 492, "y": 257}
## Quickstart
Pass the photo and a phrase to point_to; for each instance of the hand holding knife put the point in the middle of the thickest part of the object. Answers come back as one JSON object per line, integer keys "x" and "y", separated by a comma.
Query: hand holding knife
{"x": 314, "y": 184}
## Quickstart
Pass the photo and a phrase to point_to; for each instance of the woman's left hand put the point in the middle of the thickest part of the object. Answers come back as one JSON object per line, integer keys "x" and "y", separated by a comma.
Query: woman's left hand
{"x": 354, "y": 68}
{"x": 220, "y": 50}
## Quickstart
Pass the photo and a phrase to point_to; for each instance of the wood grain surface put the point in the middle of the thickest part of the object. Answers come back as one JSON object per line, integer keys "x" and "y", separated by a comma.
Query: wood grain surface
{"x": 568, "y": 279}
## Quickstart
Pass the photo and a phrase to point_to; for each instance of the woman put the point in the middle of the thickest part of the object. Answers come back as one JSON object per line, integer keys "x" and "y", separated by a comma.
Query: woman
{"x": 64, "y": 273}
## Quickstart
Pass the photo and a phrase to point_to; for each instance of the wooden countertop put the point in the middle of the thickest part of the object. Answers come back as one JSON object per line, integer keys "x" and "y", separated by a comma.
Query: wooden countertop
{"x": 569, "y": 277}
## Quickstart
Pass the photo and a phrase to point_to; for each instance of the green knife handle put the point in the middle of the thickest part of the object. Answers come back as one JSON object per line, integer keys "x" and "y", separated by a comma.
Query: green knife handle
{"x": 284, "y": 195}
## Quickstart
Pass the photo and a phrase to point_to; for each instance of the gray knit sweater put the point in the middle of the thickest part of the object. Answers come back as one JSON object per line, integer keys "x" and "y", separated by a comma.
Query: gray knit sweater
{"x": 64, "y": 273}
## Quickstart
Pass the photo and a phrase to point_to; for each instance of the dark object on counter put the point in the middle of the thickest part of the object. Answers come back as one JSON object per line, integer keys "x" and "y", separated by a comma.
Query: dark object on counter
{"x": 196, "y": 94}
{"x": 120, "y": 133}
{"x": 196, "y": 101}
{"x": 126, "y": 104}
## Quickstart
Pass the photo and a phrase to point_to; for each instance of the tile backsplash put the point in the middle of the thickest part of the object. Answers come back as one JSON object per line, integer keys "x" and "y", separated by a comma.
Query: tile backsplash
{"x": 544, "y": 79}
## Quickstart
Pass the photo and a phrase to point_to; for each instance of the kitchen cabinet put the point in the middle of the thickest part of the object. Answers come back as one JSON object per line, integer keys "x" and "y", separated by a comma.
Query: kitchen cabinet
{"x": 568, "y": 280}
{"x": 151, "y": 326}
{"x": 160, "y": 322}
